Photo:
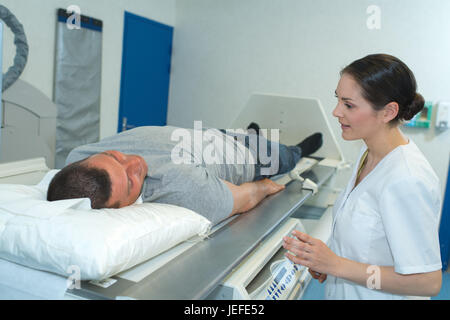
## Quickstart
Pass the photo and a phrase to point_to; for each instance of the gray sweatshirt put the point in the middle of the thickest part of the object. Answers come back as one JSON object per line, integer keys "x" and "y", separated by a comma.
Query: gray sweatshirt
{"x": 180, "y": 171}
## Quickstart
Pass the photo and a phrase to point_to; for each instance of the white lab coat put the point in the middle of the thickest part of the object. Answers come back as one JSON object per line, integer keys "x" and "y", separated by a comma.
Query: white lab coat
{"x": 390, "y": 219}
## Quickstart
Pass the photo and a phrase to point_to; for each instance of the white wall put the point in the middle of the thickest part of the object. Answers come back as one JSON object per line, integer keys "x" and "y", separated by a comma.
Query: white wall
{"x": 226, "y": 49}
{"x": 39, "y": 21}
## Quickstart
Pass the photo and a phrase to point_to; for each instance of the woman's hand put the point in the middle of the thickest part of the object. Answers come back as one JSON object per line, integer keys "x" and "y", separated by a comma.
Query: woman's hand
{"x": 315, "y": 255}
{"x": 311, "y": 253}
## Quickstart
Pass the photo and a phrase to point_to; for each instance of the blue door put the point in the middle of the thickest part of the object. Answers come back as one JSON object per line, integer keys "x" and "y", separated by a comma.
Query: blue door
{"x": 444, "y": 229}
{"x": 144, "y": 86}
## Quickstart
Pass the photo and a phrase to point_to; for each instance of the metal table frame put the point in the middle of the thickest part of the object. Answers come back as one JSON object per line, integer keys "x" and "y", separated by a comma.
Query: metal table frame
{"x": 197, "y": 272}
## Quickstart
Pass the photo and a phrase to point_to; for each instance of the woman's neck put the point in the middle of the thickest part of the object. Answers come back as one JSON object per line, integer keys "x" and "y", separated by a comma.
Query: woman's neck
{"x": 384, "y": 142}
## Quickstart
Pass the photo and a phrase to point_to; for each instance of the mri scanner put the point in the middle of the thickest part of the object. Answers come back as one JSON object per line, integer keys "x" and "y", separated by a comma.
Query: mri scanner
{"x": 242, "y": 257}
{"x": 28, "y": 124}
{"x": 27, "y": 116}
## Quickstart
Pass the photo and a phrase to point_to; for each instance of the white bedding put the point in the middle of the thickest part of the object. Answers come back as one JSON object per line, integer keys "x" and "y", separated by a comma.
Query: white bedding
{"x": 63, "y": 236}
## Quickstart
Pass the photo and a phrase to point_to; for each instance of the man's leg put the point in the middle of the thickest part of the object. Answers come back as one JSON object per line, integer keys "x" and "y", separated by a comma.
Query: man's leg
{"x": 291, "y": 154}
{"x": 287, "y": 157}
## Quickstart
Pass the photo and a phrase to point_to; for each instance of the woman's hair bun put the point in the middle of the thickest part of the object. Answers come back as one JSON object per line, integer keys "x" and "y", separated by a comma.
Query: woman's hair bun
{"x": 383, "y": 79}
{"x": 413, "y": 108}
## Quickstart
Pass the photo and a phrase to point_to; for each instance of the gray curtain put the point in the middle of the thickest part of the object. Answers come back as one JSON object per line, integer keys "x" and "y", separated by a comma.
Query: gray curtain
{"x": 77, "y": 84}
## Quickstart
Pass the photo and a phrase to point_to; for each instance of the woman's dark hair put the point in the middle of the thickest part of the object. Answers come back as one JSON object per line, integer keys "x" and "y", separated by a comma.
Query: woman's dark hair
{"x": 77, "y": 180}
{"x": 383, "y": 79}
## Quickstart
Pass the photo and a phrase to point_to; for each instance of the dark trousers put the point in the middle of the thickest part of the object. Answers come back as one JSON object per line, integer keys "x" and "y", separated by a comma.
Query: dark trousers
{"x": 288, "y": 156}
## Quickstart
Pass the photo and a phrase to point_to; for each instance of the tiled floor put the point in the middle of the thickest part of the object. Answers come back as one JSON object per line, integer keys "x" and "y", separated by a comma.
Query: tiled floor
{"x": 316, "y": 291}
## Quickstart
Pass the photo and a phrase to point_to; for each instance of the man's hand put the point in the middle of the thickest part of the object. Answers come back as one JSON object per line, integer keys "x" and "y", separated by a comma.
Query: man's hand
{"x": 249, "y": 194}
{"x": 272, "y": 187}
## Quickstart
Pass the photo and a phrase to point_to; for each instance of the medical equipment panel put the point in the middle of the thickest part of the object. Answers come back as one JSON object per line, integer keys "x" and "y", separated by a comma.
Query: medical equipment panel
{"x": 443, "y": 115}
{"x": 294, "y": 118}
{"x": 29, "y": 171}
{"x": 28, "y": 124}
{"x": 250, "y": 281}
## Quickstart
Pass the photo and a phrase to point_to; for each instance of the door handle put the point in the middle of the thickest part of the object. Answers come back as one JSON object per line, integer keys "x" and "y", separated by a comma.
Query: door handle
{"x": 125, "y": 125}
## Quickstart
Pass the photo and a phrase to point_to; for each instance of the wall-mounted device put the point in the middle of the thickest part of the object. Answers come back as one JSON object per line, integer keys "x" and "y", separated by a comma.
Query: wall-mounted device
{"x": 443, "y": 115}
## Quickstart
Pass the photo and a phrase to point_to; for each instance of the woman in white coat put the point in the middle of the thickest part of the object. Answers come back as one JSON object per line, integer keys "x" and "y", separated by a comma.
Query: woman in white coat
{"x": 384, "y": 240}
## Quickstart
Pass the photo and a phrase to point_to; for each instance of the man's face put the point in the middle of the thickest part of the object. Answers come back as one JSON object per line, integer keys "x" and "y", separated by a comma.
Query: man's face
{"x": 127, "y": 173}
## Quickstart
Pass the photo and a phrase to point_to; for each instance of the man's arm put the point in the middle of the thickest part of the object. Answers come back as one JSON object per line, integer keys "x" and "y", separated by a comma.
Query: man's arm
{"x": 249, "y": 194}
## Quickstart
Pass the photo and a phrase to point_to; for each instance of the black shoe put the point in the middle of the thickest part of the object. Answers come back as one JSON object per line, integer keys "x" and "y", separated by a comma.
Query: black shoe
{"x": 311, "y": 144}
{"x": 253, "y": 126}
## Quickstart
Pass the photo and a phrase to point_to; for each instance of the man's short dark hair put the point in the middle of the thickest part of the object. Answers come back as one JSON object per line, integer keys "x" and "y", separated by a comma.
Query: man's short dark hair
{"x": 78, "y": 180}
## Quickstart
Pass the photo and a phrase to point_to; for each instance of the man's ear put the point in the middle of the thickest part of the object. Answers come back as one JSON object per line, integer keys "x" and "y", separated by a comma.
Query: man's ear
{"x": 390, "y": 111}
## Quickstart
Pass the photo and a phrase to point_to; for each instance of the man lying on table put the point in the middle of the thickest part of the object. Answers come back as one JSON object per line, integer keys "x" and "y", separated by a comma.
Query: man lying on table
{"x": 146, "y": 162}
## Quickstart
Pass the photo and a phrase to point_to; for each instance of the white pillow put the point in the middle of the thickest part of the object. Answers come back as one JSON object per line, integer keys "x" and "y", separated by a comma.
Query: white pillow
{"x": 61, "y": 236}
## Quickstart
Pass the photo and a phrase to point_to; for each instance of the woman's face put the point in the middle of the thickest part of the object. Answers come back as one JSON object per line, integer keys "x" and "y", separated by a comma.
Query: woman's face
{"x": 357, "y": 117}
